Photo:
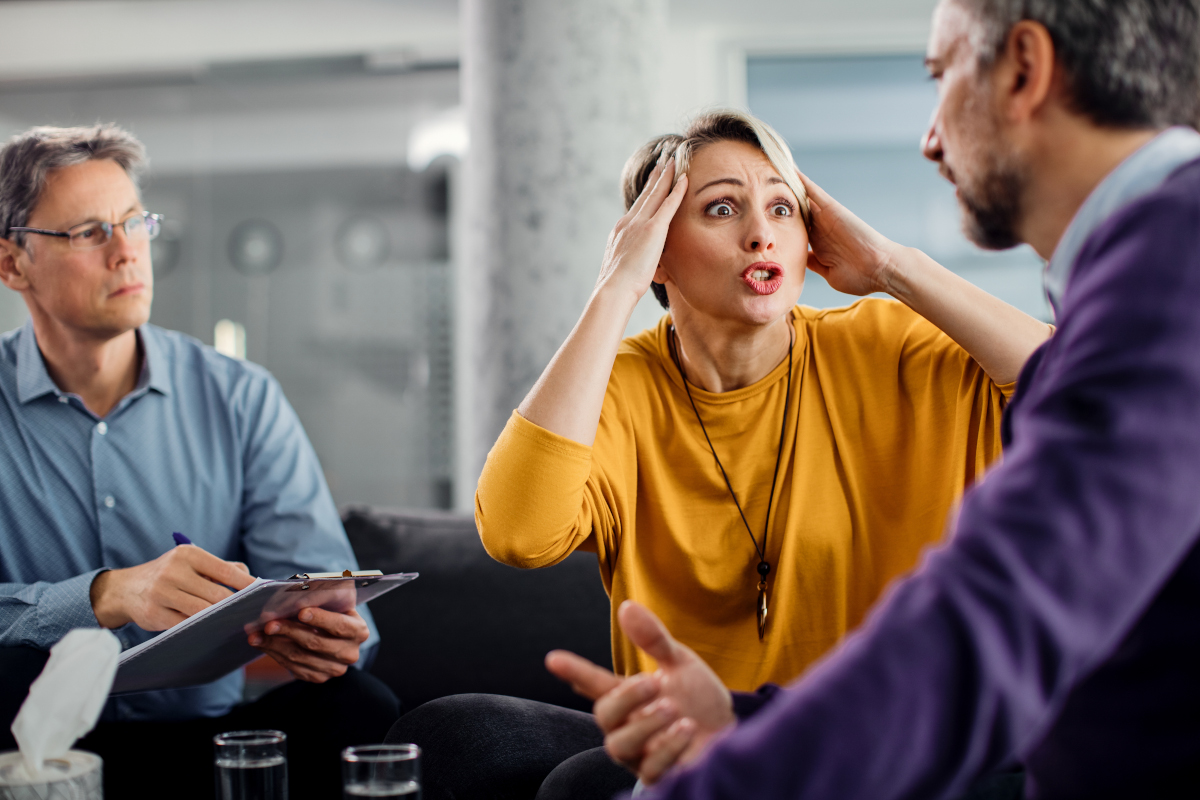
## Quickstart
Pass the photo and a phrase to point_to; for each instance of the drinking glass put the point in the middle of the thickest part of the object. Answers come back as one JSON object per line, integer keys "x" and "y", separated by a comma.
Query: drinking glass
{"x": 251, "y": 765}
{"x": 382, "y": 770}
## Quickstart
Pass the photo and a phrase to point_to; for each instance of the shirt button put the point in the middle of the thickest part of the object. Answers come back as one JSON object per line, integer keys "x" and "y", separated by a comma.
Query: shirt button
{"x": 62, "y": 398}
{"x": 102, "y": 428}
{"x": 109, "y": 502}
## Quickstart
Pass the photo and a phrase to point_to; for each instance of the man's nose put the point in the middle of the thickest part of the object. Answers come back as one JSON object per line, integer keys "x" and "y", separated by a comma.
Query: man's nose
{"x": 123, "y": 247}
{"x": 931, "y": 143}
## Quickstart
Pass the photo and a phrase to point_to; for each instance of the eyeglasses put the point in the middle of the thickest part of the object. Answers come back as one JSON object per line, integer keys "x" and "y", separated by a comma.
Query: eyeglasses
{"x": 89, "y": 235}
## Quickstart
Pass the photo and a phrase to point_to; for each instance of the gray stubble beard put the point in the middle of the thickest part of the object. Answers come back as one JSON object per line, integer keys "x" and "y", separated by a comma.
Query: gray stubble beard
{"x": 993, "y": 205}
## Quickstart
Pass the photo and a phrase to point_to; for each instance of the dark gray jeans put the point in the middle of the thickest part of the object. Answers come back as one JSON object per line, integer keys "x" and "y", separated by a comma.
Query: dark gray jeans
{"x": 488, "y": 747}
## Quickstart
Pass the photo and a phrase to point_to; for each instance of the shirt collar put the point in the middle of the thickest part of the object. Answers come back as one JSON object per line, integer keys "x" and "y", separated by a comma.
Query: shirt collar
{"x": 1135, "y": 177}
{"x": 34, "y": 381}
{"x": 155, "y": 374}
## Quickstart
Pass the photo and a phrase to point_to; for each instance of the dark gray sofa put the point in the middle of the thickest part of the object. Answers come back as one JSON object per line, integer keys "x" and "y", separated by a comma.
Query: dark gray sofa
{"x": 470, "y": 624}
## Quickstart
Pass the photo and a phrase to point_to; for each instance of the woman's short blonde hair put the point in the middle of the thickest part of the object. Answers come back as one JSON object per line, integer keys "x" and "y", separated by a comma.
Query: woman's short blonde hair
{"x": 723, "y": 125}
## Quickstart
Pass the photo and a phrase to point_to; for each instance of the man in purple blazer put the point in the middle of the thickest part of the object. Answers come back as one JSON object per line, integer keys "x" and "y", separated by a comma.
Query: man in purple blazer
{"x": 1059, "y": 627}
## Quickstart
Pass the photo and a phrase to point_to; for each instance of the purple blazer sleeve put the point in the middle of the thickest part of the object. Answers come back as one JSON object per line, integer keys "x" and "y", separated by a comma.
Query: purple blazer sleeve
{"x": 747, "y": 704}
{"x": 1058, "y": 554}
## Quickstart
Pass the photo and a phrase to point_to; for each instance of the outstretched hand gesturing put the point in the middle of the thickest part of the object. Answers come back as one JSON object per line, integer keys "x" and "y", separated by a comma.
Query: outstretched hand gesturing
{"x": 636, "y": 242}
{"x": 651, "y": 721}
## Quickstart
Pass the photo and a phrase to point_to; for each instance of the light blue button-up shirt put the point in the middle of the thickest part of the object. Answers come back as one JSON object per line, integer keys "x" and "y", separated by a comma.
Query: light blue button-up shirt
{"x": 205, "y": 445}
{"x": 1135, "y": 177}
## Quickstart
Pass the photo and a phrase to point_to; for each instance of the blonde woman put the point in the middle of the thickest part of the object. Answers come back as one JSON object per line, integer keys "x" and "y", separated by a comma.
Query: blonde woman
{"x": 753, "y": 471}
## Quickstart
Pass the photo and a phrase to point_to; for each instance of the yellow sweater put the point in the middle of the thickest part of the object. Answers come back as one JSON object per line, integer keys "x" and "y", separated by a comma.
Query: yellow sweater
{"x": 889, "y": 420}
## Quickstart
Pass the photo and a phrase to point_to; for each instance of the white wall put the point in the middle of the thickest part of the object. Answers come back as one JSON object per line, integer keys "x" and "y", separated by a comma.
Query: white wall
{"x": 709, "y": 40}
{"x": 96, "y": 38}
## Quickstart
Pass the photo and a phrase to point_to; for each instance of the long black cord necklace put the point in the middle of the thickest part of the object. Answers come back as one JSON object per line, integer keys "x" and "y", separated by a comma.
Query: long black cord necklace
{"x": 764, "y": 567}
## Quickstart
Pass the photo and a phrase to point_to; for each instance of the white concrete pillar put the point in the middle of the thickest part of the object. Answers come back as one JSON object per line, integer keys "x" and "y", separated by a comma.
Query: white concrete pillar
{"x": 558, "y": 94}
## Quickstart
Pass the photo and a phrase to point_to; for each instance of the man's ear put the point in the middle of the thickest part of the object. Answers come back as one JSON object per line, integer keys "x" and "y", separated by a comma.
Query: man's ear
{"x": 1026, "y": 72}
{"x": 660, "y": 274}
{"x": 13, "y": 260}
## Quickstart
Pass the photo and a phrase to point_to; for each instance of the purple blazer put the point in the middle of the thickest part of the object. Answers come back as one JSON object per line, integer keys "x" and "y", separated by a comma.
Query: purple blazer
{"x": 1061, "y": 624}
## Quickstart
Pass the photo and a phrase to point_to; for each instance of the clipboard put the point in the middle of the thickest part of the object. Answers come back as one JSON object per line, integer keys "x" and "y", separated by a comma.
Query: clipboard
{"x": 211, "y": 644}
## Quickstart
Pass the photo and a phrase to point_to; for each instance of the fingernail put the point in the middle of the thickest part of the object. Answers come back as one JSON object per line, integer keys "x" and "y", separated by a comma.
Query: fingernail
{"x": 305, "y": 615}
{"x": 272, "y": 628}
{"x": 662, "y": 707}
{"x": 255, "y": 640}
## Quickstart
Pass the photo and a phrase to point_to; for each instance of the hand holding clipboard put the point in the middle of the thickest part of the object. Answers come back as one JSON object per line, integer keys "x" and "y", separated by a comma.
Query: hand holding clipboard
{"x": 216, "y": 641}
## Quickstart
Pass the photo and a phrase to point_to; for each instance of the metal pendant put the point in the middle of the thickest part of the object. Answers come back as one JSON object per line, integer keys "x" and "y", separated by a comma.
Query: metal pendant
{"x": 762, "y": 609}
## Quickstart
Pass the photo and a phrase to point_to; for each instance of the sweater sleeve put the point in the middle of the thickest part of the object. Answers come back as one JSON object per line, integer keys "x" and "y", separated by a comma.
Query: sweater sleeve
{"x": 948, "y": 384}
{"x": 1057, "y": 555}
{"x": 535, "y": 503}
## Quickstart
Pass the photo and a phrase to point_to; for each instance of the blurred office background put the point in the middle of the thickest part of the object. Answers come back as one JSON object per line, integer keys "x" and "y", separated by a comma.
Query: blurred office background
{"x": 309, "y": 157}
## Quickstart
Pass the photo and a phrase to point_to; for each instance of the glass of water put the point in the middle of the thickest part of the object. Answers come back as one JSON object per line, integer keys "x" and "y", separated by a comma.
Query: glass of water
{"x": 382, "y": 770}
{"x": 251, "y": 765}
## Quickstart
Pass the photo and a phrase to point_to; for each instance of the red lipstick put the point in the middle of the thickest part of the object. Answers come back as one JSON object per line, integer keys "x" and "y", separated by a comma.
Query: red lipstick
{"x": 765, "y": 277}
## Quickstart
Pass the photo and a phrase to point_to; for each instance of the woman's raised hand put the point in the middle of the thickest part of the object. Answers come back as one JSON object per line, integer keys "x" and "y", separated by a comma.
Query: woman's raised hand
{"x": 636, "y": 242}
{"x": 569, "y": 396}
{"x": 848, "y": 253}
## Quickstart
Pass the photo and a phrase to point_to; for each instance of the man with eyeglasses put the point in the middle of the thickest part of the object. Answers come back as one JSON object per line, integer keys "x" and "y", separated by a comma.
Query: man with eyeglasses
{"x": 115, "y": 434}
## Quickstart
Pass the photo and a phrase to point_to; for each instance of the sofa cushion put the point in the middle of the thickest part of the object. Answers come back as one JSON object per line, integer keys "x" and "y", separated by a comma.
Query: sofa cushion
{"x": 471, "y": 624}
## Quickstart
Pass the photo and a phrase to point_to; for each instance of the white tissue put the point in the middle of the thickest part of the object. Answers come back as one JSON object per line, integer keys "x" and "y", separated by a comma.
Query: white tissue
{"x": 65, "y": 701}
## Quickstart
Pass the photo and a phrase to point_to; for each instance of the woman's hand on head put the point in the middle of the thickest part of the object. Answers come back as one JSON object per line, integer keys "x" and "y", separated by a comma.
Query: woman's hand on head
{"x": 636, "y": 242}
{"x": 569, "y": 396}
{"x": 848, "y": 253}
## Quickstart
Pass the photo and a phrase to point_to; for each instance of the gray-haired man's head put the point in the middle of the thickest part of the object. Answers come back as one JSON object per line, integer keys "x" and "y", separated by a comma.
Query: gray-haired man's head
{"x": 27, "y": 159}
{"x": 1127, "y": 63}
{"x": 1020, "y": 78}
{"x": 82, "y": 264}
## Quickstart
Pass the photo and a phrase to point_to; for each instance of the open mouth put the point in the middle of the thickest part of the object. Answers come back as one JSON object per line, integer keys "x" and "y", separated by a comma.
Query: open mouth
{"x": 765, "y": 277}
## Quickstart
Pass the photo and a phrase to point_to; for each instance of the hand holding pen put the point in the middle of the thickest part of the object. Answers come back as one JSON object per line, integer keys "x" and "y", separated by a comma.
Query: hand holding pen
{"x": 163, "y": 592}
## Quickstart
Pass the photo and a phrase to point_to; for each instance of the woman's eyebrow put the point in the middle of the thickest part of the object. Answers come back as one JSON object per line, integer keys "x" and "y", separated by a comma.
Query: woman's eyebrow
{"x": 736, "y": 182}
{"x": 733, "y": 181}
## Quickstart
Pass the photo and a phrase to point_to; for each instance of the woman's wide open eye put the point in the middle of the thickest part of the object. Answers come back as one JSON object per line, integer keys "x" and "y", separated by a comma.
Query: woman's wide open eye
{"x": 781, "y": 210}
{"x": 720, "y": 208}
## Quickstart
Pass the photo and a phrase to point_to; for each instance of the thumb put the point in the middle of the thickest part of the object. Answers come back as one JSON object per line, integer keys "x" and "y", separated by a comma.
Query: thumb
{"x": 648, "y": 633}
{"x": 814, "y": 263}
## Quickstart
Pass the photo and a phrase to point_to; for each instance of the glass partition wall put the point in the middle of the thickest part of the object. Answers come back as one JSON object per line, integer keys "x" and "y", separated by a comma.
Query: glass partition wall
{"x": 298, "y": 237}
{"x": 855, "y": 125}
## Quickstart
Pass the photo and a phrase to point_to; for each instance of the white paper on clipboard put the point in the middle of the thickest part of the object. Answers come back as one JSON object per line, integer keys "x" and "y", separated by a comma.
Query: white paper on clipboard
{"x": 213, "y": 643}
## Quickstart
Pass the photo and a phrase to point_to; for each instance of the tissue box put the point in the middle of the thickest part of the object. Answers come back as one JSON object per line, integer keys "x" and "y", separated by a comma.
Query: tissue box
{"x": 75, "y": 776}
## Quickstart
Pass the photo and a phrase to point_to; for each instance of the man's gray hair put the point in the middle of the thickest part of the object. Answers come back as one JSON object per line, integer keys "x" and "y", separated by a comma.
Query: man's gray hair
{"x": 27, "y": 159}
{"x": 1128, "y": 63}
